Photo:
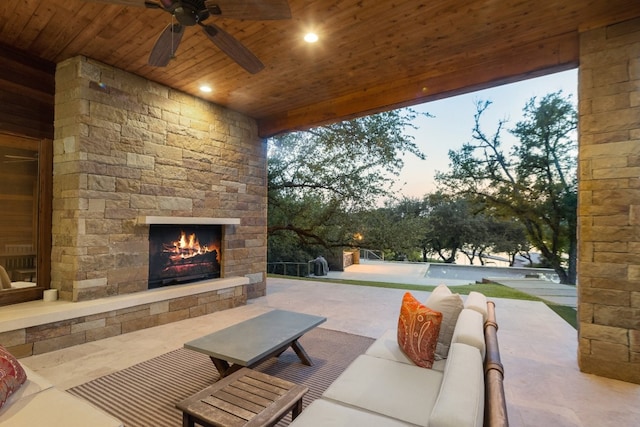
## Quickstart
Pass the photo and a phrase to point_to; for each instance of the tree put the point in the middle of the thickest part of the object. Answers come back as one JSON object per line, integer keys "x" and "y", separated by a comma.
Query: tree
{"x": 509, "y": 236}
{"x": 397, "y": 228}
{"x": 536, "y": 183}
{"x": 319, "y": 180}
{"x": 450, "y": 225}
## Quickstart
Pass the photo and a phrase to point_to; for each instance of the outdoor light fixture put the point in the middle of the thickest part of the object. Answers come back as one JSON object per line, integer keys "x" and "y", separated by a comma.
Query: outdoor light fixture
{"x": 205, "y": 88}
{"x": 311, "y": 37}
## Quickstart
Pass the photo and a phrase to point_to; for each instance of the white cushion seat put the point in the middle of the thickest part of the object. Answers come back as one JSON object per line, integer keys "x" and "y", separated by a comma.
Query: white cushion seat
{"x": 386, "y": 347}
{"x": 34, "y": 384}
{"x": 38, "y": 403}
{"x": 327, "y": 413}
{"x": 53, "y": 407}
{"x": 397, "y": 390}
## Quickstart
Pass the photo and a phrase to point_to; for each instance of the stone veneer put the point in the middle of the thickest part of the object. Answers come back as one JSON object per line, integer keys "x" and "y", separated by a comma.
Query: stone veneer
{"x": 73, "y": 328}
{"x": 609, "y": 202}
{"x": 126, "y": 147}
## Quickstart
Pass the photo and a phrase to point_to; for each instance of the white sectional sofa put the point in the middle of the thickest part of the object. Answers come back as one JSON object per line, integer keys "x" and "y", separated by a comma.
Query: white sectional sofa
{"x": 383, "y": 387}
{"x": 38, "y": 403}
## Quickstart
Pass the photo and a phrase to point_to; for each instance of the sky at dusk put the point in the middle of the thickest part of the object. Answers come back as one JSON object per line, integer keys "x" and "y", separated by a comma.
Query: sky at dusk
{"x": 453, "y": 122}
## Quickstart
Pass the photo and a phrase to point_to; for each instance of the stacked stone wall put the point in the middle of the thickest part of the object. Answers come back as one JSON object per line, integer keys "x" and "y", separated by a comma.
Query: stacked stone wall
{"x": 80, "y": 330}
{"x": 126, "y": 147}
{"x": 609, "y": 202}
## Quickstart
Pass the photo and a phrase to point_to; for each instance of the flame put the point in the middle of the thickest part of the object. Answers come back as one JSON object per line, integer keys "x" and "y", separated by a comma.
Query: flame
{"x": 187, "y": 246}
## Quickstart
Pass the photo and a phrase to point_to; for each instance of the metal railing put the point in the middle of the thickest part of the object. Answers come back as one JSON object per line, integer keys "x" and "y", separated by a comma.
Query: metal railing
{"x": 371, "y": 254}
{"x": 298, "y": 269}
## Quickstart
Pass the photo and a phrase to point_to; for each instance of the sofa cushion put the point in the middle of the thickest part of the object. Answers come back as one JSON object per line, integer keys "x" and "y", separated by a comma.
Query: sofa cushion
{"x": 470, "y": 330}
{"x": 34, "y": 384}
{"x": 386, "y": 347}
{"x": 460, "y": 401}
{"x": 450, "y": 305}
{"x": 418, "y": 329}
{"x": 478, "y": 302}
{"x": 327, "y": 413}
{"x": 53, "y": 407}
{"x": 12, "y": 375}
{"x": 396, "y": 390}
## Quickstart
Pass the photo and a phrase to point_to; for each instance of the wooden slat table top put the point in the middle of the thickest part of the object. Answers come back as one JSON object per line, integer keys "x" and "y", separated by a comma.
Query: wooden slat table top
{"x": 244, "y": 398}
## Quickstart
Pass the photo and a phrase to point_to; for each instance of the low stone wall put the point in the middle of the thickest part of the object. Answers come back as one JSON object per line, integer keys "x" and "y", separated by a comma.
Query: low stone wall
{"x": 83, "y": 329}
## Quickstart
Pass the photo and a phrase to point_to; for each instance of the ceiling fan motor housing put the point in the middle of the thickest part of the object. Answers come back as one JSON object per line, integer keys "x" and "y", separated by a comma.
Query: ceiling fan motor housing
{"x": 190, "y": 12}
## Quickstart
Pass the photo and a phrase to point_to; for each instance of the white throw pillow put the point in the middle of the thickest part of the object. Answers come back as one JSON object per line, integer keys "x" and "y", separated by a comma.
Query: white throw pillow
{"x": 450, "y": 305}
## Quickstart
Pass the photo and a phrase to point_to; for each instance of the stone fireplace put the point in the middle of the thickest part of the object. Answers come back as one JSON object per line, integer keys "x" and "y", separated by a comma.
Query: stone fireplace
{"x": 130, "y": 153}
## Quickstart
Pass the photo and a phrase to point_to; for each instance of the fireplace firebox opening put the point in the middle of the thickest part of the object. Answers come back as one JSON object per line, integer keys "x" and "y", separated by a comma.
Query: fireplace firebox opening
{"x": 183, "y": 253}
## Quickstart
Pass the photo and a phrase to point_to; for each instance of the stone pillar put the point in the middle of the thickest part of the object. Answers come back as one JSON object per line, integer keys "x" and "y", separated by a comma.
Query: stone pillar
{"x": 609, "y": 202}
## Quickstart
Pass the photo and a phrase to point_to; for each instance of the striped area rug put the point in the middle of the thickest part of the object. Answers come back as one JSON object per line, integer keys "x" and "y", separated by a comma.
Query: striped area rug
{"x": 144, "y": 395}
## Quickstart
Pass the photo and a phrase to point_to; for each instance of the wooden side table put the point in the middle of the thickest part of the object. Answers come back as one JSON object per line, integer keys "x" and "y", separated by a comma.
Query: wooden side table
{"x": 244, "y": 398}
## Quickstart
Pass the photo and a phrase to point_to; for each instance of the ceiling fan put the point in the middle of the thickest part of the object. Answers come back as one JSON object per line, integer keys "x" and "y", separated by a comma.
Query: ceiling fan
{"x": 189, "y": 13}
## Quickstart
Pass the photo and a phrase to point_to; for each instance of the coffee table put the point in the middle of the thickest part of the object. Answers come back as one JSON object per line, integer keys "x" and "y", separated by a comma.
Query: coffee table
{"x": 244, "y": 398}
{"x": 252, "y": 341}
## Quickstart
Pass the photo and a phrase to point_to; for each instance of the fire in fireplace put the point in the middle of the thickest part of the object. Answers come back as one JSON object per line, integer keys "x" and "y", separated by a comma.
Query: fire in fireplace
{"x": 183, "y": 253}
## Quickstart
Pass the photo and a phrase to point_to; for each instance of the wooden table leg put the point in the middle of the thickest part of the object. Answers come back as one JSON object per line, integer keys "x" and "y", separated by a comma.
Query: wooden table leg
{"x": 295, "y": 345}
{"x": 187, "y": 421}
{"x": 223, "y": 366}
{"x": 297, "y": 408}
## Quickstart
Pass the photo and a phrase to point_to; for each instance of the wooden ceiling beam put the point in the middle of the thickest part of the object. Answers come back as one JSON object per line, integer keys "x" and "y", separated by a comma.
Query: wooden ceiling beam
{"x": 533, "y": 60}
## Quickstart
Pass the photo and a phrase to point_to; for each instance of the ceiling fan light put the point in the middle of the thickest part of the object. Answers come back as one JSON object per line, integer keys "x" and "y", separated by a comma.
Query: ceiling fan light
{"x": 311, "y": 37}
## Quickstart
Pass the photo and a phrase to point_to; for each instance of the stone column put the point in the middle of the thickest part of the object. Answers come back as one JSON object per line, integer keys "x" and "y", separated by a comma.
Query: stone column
{"x": 609, "y": 202}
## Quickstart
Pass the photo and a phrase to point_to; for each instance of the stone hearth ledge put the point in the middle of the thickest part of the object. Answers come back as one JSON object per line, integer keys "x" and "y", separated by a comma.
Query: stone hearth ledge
{"x": 34, "y": 313}
{"x": 179, "y": 220}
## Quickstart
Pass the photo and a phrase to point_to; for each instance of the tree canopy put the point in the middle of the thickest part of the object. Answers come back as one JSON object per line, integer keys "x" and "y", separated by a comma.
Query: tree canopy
{"x": 536, "y": 183}
{"x": 319, "y": 180}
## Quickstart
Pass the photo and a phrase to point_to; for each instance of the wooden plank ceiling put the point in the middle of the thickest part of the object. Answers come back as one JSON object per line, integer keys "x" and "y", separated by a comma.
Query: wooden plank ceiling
{"x": 372, "y": 55}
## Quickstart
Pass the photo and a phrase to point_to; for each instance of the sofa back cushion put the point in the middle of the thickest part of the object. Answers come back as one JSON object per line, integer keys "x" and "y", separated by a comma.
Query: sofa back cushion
{"x": 460, "y": 402}
{"x": 478, "y": 302}
{"x": 418, "y": 329}
{"x": 470, "y": 330}
{"x": 450, "y": 305}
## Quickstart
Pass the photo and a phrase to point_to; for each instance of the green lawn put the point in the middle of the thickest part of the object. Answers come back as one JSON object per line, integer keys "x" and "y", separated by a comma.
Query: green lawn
{"x": 490, "y": 290}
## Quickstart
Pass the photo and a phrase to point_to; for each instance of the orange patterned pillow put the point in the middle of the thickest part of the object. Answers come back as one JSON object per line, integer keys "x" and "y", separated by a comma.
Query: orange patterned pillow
{"x": 418, "y": 329}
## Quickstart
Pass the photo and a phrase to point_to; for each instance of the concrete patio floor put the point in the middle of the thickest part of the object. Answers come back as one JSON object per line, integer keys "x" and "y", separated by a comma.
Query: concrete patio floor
{"x": 543, "y": 384}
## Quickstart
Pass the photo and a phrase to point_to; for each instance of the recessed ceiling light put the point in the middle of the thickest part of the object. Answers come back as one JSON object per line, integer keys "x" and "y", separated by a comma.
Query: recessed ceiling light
{"x": 311, "y": 37}
{"x": 205, "y": 88}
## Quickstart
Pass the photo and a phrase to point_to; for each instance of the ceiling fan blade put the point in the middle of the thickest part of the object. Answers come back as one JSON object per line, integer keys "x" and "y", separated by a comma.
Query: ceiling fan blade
{"x": 233, "y": 48}
{"x": 166, "y": 45}
{"x": 249, "y": 9}
{"x": 137, "y": 3}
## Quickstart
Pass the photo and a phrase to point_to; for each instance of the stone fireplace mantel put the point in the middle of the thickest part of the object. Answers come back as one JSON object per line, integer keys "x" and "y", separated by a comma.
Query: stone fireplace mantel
{"x": 179, "y": 220}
